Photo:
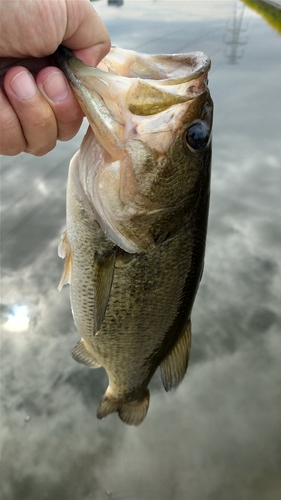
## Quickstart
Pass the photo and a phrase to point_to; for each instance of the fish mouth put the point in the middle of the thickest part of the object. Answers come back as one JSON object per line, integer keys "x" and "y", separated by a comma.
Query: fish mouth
{"x": 128, "y": 87}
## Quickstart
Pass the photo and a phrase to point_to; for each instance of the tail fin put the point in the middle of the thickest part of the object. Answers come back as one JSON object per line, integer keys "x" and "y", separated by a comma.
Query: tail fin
{"x": 132, "y": 413}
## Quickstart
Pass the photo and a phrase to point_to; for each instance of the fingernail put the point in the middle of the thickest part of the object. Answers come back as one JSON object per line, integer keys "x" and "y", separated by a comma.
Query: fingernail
{"x": 23, "y": 85}
{"x": 56, "y": 87}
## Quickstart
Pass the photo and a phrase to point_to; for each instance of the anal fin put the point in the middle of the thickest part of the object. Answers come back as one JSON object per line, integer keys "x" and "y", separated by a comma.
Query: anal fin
{"x": 174, "y": 366}
{"x": 131, "y": 413}
{"x": 81, "y": 354}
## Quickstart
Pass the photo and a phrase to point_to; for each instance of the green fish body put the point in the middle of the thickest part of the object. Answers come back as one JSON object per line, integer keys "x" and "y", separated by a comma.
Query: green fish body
{"x": 137, "y": 212}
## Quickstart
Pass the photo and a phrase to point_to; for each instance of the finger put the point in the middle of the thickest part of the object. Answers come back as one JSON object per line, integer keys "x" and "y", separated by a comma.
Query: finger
{"x": 54, "y": 87}
{"x": 86, "y": 33}
{"x": 12, "y": 140}
{"x": 33, "y": 64}
{"x": 36, "y": 117}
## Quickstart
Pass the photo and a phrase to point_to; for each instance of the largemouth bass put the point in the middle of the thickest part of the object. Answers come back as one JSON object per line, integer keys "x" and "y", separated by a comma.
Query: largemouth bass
{"x": 137, "y": 210}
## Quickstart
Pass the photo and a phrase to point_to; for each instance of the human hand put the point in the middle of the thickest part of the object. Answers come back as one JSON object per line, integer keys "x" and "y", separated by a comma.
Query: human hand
{"x": 37, "y": 105}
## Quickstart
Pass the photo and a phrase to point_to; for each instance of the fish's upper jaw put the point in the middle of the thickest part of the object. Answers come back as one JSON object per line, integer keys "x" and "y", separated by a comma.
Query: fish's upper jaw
{"x": 161, "y": 67}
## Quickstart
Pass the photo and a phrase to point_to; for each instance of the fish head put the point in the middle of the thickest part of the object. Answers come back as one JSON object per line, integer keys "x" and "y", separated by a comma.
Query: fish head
{"x": 150, "y": 122}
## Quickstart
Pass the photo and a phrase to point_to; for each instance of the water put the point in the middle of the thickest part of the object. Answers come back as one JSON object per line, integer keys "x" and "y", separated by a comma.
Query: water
{"x": 218, "y": 436}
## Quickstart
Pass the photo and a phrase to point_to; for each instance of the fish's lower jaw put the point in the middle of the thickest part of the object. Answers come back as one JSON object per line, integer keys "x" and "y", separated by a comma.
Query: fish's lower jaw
{"x": 132, "y": 413}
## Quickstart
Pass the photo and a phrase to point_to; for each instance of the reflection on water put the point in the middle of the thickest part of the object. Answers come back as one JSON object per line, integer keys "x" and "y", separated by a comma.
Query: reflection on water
{"x": 218, "y": 435}
{"x": 115, "y": 2}
{"x": 233, "y": 38}
{"x": 18, "y": 319}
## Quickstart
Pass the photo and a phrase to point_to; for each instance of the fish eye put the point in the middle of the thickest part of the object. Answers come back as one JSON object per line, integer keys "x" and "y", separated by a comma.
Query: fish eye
{"x": 197, "y": 136}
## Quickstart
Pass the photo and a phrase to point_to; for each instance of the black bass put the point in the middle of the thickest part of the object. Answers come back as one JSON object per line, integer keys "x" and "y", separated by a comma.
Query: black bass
{"x": 137, "y": 211}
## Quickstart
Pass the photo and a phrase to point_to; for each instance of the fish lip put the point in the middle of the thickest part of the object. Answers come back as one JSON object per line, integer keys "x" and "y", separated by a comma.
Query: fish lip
{"x": 63, "y": 53}
{"x": 62, "y": 56}
{"x": 96, "y": 111}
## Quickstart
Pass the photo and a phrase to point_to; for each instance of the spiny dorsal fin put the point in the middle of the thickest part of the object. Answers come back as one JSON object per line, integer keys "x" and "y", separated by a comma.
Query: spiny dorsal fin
{"x": 81, "y": 354}
{"x": 174, "y": 366}
{"x": 103, "y": 276}
{"x": 65, "y": 253}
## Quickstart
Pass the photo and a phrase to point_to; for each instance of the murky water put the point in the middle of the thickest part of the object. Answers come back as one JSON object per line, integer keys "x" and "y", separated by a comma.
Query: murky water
{"x": 218, "y": 436}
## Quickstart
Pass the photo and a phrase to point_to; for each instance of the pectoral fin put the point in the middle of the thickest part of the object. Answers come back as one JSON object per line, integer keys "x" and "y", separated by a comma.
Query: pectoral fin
{"x": 65, "y": 253}
{"x": 103, "y": 277}
{"x": 81, "y": 354}
{"x": 174, "y": 366}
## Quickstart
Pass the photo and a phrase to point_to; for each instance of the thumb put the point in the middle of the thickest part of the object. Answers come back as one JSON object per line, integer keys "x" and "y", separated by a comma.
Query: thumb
{"x": 86, "y": 34}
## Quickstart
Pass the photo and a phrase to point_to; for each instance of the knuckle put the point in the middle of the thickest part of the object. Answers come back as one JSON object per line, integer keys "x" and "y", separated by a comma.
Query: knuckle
{"x": 41, "y": 148}
{"x": 12, "y": 141}
{"x": 43, "y": 120}
{"x": 10, "y": 150}
{"x": 69, "y": 118}
{"x": 69, "y": 130}
{"x": 41, "y": 132}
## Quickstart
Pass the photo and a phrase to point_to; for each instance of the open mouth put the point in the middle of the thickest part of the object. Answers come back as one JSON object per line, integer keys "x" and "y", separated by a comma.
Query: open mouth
{"x": 132, "y": 85}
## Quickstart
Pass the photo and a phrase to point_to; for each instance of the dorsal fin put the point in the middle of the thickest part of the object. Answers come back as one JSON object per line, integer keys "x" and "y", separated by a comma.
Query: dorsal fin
{"x": 174, "y": 366}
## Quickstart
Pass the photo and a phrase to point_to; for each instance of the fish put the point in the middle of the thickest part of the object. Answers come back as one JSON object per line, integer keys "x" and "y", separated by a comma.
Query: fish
{"x": 136, "y": 218}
